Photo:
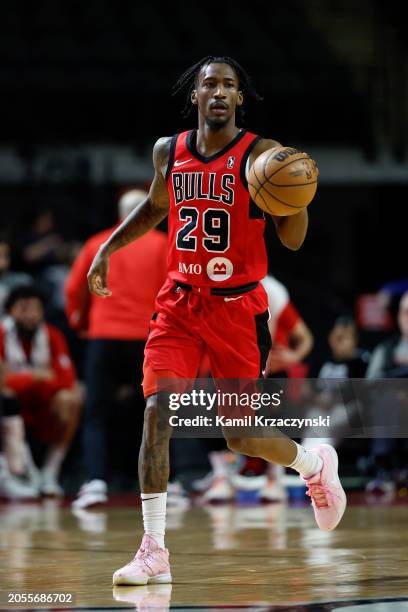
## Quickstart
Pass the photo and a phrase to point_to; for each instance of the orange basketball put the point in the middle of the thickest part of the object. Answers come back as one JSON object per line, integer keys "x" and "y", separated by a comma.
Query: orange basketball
{"x": 282, "y": 181}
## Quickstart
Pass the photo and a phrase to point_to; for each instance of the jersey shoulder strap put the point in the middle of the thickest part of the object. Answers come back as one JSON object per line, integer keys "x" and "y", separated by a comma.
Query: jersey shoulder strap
{"x": 251, "y": 140}
{"x": 177, "y": 141}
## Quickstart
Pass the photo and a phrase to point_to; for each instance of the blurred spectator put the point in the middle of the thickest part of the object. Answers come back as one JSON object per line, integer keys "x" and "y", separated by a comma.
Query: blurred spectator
{"x": 49, "y": 258}
{"x": 389, "y": 360}
{"x": 117, "y": 329}
{"x": 42, "y": 243}
{"x": 376, "y": 312}
{"x": 40, "y": 373}
{"x": 346, "y": 361}
{"x": 292, "y": 340}
{"x": 54, "y": 277}
{"x": 329, "y": 396}
{"x": 9, "y": 279}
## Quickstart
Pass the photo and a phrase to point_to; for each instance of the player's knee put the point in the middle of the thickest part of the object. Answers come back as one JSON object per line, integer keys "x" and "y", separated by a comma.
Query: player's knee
{"x": 156, "y": 416}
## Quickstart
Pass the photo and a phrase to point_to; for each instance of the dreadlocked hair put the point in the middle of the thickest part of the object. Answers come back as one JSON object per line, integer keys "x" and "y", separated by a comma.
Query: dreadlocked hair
{"x": 188, "y": 80}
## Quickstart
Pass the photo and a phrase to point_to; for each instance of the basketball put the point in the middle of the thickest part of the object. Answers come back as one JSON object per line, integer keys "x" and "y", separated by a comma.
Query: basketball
{"x": 282, "y": 181}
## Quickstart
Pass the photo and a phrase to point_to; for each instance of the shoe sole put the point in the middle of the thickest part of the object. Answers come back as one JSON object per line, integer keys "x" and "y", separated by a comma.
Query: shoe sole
{"x": 160, "y": 579}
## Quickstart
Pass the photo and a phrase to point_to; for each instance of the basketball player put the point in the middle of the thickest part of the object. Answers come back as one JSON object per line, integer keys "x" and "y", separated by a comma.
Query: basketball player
{"x": 212, "y": 298}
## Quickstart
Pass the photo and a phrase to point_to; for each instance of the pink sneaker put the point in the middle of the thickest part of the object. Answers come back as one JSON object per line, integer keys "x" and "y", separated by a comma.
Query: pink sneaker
{"x": 328, "y": 496}
{"x": 149, "y": 566}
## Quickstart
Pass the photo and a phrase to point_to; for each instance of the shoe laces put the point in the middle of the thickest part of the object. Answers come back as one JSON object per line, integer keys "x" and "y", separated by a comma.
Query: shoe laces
{"x": 144, "y": 556}
{"x": 319, "y": 494}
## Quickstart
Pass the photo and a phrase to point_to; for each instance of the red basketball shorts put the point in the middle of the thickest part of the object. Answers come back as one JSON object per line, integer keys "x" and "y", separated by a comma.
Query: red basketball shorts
{"x": 231, "y": 330}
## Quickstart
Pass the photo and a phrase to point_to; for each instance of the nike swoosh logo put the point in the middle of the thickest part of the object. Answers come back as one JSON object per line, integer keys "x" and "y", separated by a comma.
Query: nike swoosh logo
{"x": 148, "y": 498}
{"x": 233, "y": 298}
{"x": 181, "y": 163}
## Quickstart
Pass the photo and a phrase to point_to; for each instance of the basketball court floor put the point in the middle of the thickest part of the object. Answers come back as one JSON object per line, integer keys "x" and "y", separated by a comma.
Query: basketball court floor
{"x": 252, "y": 557}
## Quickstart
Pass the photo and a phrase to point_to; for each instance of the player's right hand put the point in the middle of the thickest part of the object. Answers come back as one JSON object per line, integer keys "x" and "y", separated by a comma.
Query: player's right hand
{"x": 98, "y": 274}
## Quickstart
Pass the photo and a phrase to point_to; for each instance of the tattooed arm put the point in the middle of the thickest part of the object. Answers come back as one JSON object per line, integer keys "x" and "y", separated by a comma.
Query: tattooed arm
{"x": 145, "y": 216}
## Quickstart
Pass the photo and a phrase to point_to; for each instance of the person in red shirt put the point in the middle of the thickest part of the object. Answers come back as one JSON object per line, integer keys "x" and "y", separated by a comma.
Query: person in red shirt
{"x": 116, "y": 330}
{"x": 292, "y": 340}
{"x": 40, "y": 373}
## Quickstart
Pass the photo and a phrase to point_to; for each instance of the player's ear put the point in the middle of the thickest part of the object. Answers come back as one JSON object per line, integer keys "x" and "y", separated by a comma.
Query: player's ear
{"x": 240, "y": 99}
{"x": 194, "y": 97}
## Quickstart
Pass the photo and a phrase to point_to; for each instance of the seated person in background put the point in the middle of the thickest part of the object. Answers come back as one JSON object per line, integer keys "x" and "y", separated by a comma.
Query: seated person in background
{"x": 389, "y": 360}
{"x": 42, "y": 243}
{"x": 9, "y": 279}
{"x": 346, "y": 361}
{"x": 40, "y": 372}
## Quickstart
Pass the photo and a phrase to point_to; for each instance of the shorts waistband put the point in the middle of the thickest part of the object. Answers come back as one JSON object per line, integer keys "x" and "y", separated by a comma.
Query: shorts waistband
{"x": 218, "y": 290}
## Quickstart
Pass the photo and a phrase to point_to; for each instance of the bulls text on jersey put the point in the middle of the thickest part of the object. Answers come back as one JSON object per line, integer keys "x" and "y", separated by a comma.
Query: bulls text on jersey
{"x": 188, "y": 186}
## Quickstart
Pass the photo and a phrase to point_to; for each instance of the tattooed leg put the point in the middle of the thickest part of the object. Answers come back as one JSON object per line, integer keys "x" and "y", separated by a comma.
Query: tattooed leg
{"x": 154, "y": 450}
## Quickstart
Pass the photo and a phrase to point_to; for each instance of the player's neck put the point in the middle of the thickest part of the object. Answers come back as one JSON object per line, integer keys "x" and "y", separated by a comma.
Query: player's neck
{"x": 210, "y": 141}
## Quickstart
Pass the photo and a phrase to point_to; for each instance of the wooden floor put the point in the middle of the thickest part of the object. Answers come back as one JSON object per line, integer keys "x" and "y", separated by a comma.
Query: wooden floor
{"x": 222, "y": 555}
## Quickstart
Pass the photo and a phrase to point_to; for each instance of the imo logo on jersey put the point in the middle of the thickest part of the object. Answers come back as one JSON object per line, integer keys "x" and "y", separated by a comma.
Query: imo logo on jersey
{"x": 219, "y": 269}
{"x": 231, "y": 161}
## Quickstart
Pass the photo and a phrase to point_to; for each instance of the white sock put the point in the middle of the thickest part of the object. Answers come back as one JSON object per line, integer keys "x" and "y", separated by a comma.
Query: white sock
{"x": 154, "y": 515}
{"x": 306, "y": 462}
{"x": 218, "y": 463}
{"x": 53, "y": 462}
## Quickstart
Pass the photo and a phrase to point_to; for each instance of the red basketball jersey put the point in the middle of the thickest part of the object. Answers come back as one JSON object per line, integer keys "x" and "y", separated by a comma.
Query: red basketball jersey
{"x": 216, "y": 232}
